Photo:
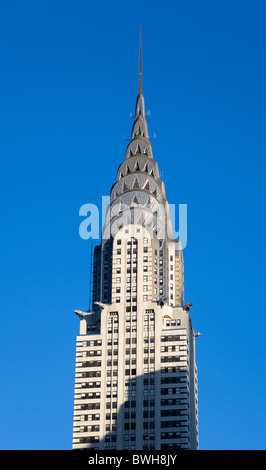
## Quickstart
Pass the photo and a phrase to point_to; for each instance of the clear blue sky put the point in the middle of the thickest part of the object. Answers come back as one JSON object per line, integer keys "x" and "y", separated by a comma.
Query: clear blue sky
{"x": 68, "y": 83}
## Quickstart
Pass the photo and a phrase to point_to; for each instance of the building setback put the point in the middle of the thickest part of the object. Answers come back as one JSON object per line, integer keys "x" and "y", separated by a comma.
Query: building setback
{"x": 136, "y": 375}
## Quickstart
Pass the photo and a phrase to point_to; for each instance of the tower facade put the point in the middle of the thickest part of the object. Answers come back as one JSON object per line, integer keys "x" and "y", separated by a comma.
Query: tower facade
{"x": 136, "y": 375}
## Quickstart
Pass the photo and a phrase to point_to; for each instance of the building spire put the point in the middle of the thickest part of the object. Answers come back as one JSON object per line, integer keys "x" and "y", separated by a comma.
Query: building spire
{"x": 140, "y": 129}
{"x": 140, "y": 86}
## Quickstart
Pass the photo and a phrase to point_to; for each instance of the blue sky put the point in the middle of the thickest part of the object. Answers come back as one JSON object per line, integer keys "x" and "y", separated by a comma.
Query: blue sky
{"x": 68, "y": 83}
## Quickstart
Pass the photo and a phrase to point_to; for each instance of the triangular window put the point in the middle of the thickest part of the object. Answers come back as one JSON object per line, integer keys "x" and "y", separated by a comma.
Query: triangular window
{"x": 145, "y": 168}
{"x": 137, "y": 167}
{"x": 147, "y": 186}
{"x": 136, "y": 184}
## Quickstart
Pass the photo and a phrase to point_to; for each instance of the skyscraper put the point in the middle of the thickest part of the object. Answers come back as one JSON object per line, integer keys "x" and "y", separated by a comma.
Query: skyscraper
{"x": 136, "y": 375}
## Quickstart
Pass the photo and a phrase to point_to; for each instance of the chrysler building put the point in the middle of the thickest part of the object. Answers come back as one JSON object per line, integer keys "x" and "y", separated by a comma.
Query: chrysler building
{"x": 136, "y": 374}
